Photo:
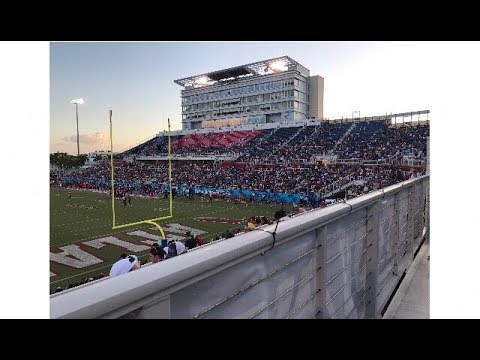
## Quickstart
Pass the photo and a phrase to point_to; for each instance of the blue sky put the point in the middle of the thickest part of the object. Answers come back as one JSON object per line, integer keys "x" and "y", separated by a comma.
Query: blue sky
{"x": 135, "y": 80}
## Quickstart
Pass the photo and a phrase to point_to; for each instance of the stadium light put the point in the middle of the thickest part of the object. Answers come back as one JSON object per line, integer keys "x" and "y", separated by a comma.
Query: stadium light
{"x": 76, "y": 102}
{"x": 356, "y": 112}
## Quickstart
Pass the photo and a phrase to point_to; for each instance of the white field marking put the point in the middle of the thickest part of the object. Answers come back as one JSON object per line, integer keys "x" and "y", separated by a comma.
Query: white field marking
{"x": 148, "y": 242}
{"x": 94, "y": 220}
{"x": 85, "y": 259}
{"x": 100, "y": 243}
{"x": 157, "y": 238}
{"x": 85, "y": 272}
{"x": 95, "y": 236}
{"x": 138, "y": 227}
{"x": 85, "y": 221}
{"x": 180, "y": 229}
{"x": 88, "y": 272}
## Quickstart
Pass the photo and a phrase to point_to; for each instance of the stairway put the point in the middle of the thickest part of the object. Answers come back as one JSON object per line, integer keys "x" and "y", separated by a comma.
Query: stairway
{"x": 339, "y": 141}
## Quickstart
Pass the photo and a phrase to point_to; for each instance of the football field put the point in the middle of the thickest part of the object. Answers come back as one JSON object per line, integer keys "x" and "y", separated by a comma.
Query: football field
{"x": 83, "y": 244}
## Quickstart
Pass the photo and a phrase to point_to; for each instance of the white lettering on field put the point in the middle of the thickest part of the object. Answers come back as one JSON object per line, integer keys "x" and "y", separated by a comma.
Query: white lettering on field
{"x": 100, "y": 243}
{"x": 154, "y": 237}
{"x": 181, "y": 229}
{"x": 83, "y": 259}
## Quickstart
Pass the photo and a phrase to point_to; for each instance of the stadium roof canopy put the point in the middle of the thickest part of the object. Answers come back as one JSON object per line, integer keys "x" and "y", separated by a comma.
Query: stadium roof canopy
{"x": 260, "y": 68}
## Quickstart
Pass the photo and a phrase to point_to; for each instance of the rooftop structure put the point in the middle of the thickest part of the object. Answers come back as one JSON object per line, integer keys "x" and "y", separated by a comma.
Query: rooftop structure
{"x": 268, "y": 91}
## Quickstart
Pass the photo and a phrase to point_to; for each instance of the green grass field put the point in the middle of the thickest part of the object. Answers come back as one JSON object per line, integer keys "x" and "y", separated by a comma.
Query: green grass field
{"x": 88, "y": 216}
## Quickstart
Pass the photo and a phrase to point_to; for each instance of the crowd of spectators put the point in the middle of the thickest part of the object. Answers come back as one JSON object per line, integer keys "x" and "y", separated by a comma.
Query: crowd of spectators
{"x": 271, "y": 160}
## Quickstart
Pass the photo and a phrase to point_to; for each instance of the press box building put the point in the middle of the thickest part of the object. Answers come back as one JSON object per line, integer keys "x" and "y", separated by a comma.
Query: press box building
{"x": 273, "y": 90}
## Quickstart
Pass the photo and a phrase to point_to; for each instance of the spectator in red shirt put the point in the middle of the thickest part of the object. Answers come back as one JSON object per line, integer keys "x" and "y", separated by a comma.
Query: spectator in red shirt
{"x": 200, "y": 241}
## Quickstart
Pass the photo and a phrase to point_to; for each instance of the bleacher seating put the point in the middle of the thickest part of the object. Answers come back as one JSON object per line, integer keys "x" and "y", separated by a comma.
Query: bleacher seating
{"x": 278, "y": 159}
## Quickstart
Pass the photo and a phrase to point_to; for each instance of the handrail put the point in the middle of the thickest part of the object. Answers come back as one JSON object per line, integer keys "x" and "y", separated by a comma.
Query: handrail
{"x": 123, "y": 294}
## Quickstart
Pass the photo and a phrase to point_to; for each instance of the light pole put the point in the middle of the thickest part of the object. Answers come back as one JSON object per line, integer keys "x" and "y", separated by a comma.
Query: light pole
{"x": 358, "y": 112}
{"x": 76, "y": 102}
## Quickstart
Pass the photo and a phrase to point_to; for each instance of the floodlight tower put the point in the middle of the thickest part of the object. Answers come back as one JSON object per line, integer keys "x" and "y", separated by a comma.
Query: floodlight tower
{"x": 76, "y": 102}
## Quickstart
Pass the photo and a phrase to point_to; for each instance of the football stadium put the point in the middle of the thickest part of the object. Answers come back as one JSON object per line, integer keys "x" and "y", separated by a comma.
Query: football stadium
{"x": 260, "y": 207}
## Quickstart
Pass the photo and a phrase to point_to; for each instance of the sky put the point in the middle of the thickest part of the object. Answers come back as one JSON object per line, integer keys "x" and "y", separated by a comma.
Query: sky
{"x": 135, "y": 81}
{"x": 38, "y": 79}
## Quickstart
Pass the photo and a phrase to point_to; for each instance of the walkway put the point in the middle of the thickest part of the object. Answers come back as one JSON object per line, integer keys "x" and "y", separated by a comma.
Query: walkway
{"x": 412, "y": 299}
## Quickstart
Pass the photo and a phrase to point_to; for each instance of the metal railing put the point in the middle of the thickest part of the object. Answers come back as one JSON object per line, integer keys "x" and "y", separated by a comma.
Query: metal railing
{"x": 343, "y": 261}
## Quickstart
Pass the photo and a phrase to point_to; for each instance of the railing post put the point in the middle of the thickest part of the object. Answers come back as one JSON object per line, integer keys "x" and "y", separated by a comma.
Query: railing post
{"x": 396, "y": 232}
{"x": 412, "y": 193}
{"x": 372, "y": 261}
{"x": 321, "y": 254}
{"x": 427, "y": 204}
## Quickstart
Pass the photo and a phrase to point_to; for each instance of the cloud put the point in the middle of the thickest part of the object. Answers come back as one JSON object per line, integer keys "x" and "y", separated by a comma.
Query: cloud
{"x": 89, "y": 139}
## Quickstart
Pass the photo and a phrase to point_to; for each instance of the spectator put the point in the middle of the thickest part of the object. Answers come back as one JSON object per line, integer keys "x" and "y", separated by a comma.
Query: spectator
{"x": 265, "y": 221}
{"x": 174, "y": 248}
{"x": 190, "y": 243}
{"x": 250, "y": 224}
{"x": 199, "y": 241}
{"x": 228, "y": 234}
{"x": 157, "y": 254}
{"x": 280, "y": 213}
{"x": 123, "y": 266}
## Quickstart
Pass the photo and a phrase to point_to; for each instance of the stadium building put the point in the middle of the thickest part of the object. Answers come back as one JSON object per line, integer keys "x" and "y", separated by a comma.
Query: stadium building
{"x": 269, "y": 91}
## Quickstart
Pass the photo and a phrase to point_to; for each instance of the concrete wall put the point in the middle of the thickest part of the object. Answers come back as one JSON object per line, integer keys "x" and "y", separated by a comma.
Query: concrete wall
{"x": 316, "y": 97}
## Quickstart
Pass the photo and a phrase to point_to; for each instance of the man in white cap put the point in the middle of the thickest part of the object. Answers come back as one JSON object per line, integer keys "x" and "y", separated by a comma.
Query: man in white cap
{"x": 123, "y": 266}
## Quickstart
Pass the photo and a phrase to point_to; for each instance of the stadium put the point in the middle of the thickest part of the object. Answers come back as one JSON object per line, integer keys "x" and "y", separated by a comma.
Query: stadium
{"x": 270, "y": 202}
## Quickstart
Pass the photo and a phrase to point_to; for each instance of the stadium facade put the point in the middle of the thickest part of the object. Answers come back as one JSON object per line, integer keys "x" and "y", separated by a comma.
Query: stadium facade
{"x": 268, "y": 91}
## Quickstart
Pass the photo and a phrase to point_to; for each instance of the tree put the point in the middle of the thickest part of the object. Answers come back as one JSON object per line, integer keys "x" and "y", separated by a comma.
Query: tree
{"x": 67, "y": 161}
